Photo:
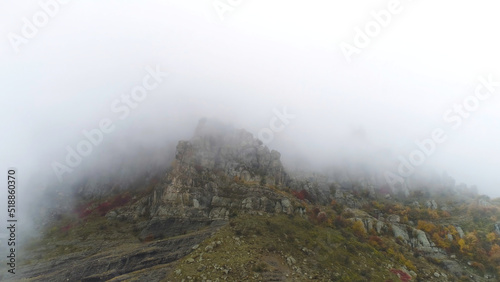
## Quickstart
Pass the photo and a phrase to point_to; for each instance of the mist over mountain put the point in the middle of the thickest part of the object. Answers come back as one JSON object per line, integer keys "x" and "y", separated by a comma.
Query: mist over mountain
{"x": 135, "y": 117}
{"x": 154, "y": 206}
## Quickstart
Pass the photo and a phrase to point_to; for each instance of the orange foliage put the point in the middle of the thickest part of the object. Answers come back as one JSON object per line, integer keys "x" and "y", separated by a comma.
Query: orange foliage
{"x": 440, "y": 242}
{"x": 462, "y": 245}
{"x": 359, "y": 229}
{"x": 322, "y": 217}
{"x": 434, "y": 214}
{"x": 491, "y": 237}
{"x": 376, "y": 242}
{"x": 495, "y": 253}
{"x": 426, "y": 226}
{"x": 445, "y": 214}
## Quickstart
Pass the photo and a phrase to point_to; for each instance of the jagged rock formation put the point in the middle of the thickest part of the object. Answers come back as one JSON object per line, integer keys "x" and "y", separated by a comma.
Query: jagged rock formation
{"x": 234, "y": 153}
{"x": 219, "y": 171}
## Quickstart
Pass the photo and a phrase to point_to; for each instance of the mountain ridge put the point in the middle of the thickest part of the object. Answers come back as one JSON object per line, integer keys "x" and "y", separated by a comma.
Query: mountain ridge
{"x": 224, "y": 178}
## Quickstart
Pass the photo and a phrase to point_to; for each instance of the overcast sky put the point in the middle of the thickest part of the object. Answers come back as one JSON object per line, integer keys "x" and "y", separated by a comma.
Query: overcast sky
{"x": 245, "y": 63}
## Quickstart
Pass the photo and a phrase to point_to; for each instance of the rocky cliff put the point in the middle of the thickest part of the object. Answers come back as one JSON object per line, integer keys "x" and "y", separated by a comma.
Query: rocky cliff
{"x": 282, "y": 227}
{"x": 221, "y": 170}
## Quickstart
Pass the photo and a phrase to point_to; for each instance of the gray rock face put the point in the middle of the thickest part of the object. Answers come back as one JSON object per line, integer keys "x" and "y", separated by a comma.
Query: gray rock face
{"x": 497, "y": 228}
{"x": 394, "y": 218}
{"x": 411, "y": 236}
{"x": 460, "y": 231}
{"x": 446, "y": 208}
{"x": 119, "y": 261}
{"x": 219, "y": 172}
{"x": 399, "y": 231}
{"x": 234, "y": 153}
{"x": 286, "y": 206}
{"x": 431, "y": 204}
{"x": 379, "y": 226}
{"x": 484, "y": 204}
{"x": 422, "y": 239}
{"x": 415, "y": 238}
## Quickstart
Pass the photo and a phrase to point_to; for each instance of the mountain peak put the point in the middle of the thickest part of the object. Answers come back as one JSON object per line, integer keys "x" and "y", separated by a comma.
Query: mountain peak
{"x": 221, "y": 148}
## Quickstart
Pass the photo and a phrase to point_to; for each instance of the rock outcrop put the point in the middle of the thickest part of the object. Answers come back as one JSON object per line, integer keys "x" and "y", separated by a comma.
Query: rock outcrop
{"x": 107, "y": 260}
{"x": 220, "y": 149}
{"x": 219, "y": 172}
{"x": 497, "y": 228}
{"x": 431, "y": 204}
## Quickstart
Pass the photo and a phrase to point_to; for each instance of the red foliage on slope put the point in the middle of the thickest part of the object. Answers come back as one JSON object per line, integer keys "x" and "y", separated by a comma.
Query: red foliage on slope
{"x": 83, "y": 210}
{"x": 301, "y": 195}
{"x": 66, "y": 228}
{"x": 117, "y": 201}
{"x": 403, "y": 276}
{"x": 103, "y": 208}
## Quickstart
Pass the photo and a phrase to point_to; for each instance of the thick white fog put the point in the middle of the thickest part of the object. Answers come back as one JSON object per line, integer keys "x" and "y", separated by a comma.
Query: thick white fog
{"x": 321, "y": 82}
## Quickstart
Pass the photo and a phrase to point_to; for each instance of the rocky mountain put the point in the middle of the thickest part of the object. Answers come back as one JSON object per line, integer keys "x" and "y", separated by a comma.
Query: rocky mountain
{"x": 227, "y": 209}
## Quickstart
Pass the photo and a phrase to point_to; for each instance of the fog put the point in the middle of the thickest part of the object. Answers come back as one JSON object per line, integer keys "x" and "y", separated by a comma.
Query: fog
{"x": 278, "y": 67}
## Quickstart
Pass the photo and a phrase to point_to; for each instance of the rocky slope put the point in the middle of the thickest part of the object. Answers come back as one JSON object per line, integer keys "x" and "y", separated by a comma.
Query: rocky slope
{"x": 227, "y": 210}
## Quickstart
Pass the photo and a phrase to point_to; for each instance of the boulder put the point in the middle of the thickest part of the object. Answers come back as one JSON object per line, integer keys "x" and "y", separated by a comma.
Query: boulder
{"x": 394, "y": 218}
{"x": 460, "y": 231}
{"x": 497, "y": 228}
{"x": 422, "y": 238}
{"x": 399, "y": 231}
{"x": 431, "y": 204}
